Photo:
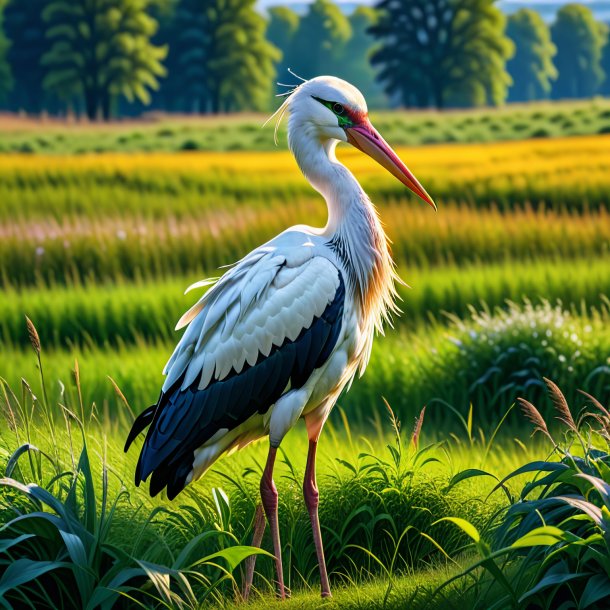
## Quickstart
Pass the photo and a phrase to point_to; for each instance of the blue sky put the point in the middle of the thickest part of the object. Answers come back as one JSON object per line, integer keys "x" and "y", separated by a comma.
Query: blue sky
{"x": 547, "y": 8}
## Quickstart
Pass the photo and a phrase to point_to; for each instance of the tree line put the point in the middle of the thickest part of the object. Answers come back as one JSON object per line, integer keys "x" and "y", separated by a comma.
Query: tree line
{"x": 105, "y": 58}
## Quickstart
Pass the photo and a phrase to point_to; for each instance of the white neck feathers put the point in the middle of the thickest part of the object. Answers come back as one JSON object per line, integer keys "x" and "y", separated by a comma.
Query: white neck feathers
{"x": 353, "y": 228}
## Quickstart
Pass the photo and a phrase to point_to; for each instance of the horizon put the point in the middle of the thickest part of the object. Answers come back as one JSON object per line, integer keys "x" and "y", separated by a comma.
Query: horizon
{"x": 547, "y": 8}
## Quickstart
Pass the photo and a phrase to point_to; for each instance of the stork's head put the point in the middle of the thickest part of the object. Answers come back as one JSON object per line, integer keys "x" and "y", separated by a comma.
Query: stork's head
{"x": 336, "y": 110}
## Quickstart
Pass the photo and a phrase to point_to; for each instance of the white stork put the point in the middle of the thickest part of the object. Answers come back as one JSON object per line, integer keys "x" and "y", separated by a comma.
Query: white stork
{"x": 281, "y": 333}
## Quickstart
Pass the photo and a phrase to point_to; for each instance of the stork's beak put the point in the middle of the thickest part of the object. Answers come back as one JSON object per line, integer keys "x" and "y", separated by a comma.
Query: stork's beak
{"x": 367, "y": 139}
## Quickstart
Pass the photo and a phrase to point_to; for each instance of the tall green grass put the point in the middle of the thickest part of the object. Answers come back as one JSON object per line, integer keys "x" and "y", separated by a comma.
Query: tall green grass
{"x": 487, "y": 361}
{"x": 49, "y": 252}
{"x": 77, "y": 531}
{"x": 123, "y": 313}
{"x": 550, "y": 547}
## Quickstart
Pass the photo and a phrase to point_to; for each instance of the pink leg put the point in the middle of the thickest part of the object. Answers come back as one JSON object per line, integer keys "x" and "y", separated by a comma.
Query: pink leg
{"x": 270, "y": 502}
{"x": 310, "y": 492}
{"x": 257, "y": 538}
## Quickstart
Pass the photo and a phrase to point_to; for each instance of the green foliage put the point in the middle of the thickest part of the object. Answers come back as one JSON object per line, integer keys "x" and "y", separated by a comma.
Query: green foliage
{"x": 355, "y": 63}
{"x": 6, "y": 78}
{"x": 445, "y": 365}
{"x": 73, "y": 538}
{"x": 443, "y": 52}
{"x": 579, "y": 40}
{"x": 605, "y": 66}
{"x": 320, "y": 40}
{"x": 281, "y": 29}
{"x": 72, "y": 517}
{"x": 101, "y": 51}
{"x": 123, "y": 312}
{"x": 531, "y": 68}
{"x": 221, "y": 57}
{"x": 229, "y": 133}
{"x": 26, "y": 29}
{"x": 550, "y": 548}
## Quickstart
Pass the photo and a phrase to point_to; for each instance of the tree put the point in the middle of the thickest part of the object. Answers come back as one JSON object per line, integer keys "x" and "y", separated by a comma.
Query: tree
{"x": 605, "y": 65}
{"x": 6, "y": 81}
{"x": 579, "y": 40}
{"x": 531, "y": 68}
{"x": 223, "y": 60}
{"x": 25, "y": 28}
{"x": 102, "y": 49}
{"x": 355, "y": 61}
{"x": 282, "y": 27}
{"x": 319, "y": 42}
{"x": 442, "y": 51}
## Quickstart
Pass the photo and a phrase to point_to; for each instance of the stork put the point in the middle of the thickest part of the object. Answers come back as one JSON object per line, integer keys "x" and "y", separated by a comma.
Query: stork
{"x": 281, "y": 334}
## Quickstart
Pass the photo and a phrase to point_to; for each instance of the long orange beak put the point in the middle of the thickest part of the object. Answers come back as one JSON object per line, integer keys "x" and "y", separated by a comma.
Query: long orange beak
{"x": 367, "y": 139}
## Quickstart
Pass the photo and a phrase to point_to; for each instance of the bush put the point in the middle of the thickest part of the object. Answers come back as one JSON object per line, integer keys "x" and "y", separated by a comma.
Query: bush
{"x": 550, "y": 548}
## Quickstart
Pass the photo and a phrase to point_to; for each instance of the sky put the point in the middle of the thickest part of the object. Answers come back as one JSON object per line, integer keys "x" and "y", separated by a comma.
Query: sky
{"x": 547, "y": 8}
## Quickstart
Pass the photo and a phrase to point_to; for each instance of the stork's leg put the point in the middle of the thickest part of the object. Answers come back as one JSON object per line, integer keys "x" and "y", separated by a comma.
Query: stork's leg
{"x": 270, "y": 503}
{"x": 257, "y": 538}
{"x": 311, "y": 495}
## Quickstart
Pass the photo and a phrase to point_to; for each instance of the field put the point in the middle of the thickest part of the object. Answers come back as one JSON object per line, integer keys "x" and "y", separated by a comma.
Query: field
{"x": 509, "y": 283}
{"x": 230, "y": 133}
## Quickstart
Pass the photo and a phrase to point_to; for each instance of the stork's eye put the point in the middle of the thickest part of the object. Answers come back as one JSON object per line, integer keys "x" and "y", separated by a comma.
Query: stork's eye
{"x": 338, "y": 109}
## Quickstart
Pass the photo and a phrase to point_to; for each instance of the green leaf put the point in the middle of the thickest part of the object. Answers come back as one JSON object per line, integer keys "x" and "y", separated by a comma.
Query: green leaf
{"x": 596, "y": 589}
{"x": 22, "y": 571}
{"x": 588, "y": 508}
{"x": 549, "y": 580}
{"x": 14, "y": 459}
{"x": 547, "y": 535}
{"x": 537, "y": 466}
{"x": 468, "y": 474}
{"x": 8, "y": 543}
{"x": 234, "y": 555}
{"x": 464, "y": 525}
{"x": 347, "y": 465}
{"x": 37, "y": 494}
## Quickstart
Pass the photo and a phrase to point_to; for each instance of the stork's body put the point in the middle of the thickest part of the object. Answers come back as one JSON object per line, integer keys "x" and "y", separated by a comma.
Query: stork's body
{"x": 280, "y": 335}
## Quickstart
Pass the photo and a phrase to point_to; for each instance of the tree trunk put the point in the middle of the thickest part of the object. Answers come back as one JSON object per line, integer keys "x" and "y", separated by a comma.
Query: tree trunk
{"x": 438, "y": 94}
{"x": 90, "y": 104}
{"x": 216, "y": 100}
{"x": 106, "y": 106}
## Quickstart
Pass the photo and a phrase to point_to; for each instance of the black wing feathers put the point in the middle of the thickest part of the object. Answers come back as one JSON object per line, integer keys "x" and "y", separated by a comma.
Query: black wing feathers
{"x": 183, "y": 420}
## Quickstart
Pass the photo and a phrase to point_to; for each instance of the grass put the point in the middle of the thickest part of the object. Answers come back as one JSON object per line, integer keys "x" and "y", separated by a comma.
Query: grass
{"x": 414, "y": 591}
{"x": 97, "y": 250}
{"x": 568, "y": 172}
{"x": 395, "y": 507}
{"x": 35, "y": 253}
{"x": 380, "y": 494}
{"x": 112, "y": 314}
{"x": 486, "y": 361}
{"x": 232, "y": 133}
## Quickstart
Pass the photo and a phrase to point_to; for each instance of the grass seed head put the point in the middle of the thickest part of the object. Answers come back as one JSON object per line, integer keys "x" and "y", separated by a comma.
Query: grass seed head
{"x": 33, "y": 334}
{"x": 417, "y": 428}
{"x": 561, "y": 404}
{"x": 533, "y": 415}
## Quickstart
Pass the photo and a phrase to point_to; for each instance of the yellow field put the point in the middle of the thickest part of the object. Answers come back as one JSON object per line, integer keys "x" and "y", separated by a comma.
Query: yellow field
{"x": 554, "y": 160}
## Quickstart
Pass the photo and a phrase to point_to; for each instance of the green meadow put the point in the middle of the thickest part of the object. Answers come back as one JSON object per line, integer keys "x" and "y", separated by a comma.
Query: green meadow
{"x": 163, "y": 133}
{"x": 508, "y": 285}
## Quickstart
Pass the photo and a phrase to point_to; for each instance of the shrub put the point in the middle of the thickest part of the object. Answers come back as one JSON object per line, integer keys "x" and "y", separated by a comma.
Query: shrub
{"x": 551, "y": 548}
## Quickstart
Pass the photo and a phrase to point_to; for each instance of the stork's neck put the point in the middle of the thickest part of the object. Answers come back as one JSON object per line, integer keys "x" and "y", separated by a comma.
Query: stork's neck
{"x": 353, "y": 227}
{"x": 344, "y": 197}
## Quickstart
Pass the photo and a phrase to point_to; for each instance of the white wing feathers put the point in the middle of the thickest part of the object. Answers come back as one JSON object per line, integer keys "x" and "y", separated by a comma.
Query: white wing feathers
{"x": 266, "y": 298}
